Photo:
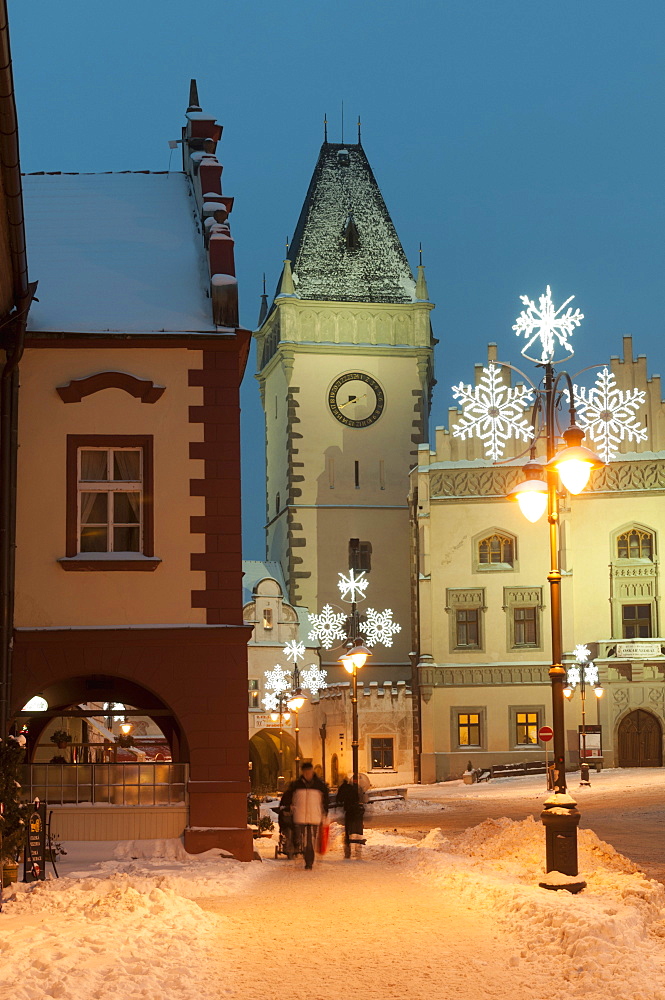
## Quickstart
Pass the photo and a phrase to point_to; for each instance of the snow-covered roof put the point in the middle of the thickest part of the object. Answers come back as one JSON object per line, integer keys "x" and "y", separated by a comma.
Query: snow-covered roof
{"x": 345, "y": 247}
{"x": 115, "y": 252}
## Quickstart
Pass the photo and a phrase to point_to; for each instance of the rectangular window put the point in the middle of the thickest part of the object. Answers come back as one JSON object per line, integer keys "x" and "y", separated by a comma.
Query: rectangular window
{"x": 253, "y": 693}
{"x": 467, "y": 622}
{"x": 636, "y": 621}
{"x": 382, "y": 753}
{"x": 267, "y": 618}
{"x": 360, "y": 555}
{"x": 525, "y": 624}
{"x": 468, "y": 729}
{"x": 526, "y": 728}
{"x": 110, "y": 499}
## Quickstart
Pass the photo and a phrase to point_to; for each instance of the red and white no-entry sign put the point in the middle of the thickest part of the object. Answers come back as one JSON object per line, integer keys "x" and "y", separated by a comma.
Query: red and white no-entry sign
{"x": 545, "y": 734}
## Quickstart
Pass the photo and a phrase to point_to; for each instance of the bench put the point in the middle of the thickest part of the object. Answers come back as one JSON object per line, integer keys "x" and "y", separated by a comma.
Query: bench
{"x": 518, "y": 769}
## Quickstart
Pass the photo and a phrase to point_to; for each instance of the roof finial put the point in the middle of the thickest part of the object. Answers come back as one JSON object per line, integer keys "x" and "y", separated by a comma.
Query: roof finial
{"x": 342, "y": 122}
{"x": 286, "y": 286}
{"x": 422, "y": 293}
{"x": 193, "y": 97}
{"x": 359, "y": 142}
{"x": 287, "y": 246}
{"x": 263, "y": 311}
{"x": 325, "y": 127}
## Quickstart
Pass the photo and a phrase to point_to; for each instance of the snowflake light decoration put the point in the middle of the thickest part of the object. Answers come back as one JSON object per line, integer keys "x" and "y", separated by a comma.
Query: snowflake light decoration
{"x": 327, "y": 627}
{"x": 270, "y": 702}
{"x": 546, "y": 324}
{"x": 278, "y": 679}
{"x": 380, "y": 627}
{"x": 607, "y": 414}
{"x": 294, "y": 650}
{"x": 353, "y": 585}
{"x": 314, "y": 679}
{"x": 581, "y": 653}
{"x": 493, "y": 412}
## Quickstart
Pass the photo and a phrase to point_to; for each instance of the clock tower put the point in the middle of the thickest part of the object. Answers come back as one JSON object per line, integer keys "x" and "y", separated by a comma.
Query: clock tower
{"x": 345, "y": 358}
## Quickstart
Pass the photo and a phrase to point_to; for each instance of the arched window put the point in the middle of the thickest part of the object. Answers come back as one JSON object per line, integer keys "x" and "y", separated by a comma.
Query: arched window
{"x": 496, "y": 549}
{"x": 635, "y": 544}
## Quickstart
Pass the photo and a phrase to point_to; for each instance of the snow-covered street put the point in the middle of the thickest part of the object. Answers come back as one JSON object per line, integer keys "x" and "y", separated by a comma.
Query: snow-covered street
{"x": 433, "y": 917}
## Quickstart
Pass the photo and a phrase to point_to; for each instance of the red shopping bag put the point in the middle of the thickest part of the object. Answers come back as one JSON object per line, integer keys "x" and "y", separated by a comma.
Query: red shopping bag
{"x": 324, "y": 834}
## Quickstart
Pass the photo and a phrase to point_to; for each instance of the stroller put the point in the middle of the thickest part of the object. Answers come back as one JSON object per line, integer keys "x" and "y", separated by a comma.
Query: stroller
{"x": 288, "y": 844}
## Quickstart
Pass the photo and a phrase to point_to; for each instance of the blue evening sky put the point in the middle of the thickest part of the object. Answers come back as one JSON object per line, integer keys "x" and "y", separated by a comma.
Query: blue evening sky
{"x": 521, "y": 141}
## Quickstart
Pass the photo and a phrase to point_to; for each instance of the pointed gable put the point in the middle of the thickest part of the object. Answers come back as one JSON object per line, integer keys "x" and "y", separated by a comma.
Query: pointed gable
{"x": 345, "y": 247}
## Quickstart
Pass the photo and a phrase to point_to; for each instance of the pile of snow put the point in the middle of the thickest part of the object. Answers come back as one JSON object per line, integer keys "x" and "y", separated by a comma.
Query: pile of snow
{"x": 380, "y": 806}
{"x": 612, "y": 933}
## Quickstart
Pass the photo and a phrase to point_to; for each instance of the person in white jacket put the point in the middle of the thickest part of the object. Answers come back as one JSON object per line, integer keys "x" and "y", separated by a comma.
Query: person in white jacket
{"x": 309, "y": 804}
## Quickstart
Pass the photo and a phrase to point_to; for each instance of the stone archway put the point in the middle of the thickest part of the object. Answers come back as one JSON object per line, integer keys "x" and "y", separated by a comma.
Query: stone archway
{"x": 264, "y": 754}
{"x": 640, "y": 740}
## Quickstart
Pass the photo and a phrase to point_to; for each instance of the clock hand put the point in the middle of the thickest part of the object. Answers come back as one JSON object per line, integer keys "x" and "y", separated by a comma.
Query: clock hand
{"x": 356, "y": 399}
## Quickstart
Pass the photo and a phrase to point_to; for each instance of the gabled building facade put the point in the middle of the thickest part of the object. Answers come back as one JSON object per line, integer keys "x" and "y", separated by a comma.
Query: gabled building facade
{"x": 479, "y": 571}
{"x": 128, "y": 539}
{"x": 345, "y": 358}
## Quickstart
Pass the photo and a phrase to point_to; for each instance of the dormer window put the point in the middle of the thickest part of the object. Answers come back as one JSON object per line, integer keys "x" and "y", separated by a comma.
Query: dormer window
{"x": 343, "y": 158}
{"x": 267, "y": 619}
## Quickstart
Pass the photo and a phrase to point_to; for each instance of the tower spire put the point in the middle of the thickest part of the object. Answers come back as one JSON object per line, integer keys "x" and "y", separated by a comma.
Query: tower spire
{"x": 422, "y": 293}
{"x": 359, "y": 141}
{"x": 193, "y": 97}
{"x": 263, "y": 311}
{"x": 325, "y": 127}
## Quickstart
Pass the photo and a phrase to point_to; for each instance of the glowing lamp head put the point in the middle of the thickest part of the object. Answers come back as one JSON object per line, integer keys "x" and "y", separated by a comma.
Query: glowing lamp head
{"x": 574, "y": 463}
{"x": 598, "y": 691}
{"x": 568, "y": 691}
{"x": 126, "y": 728}
{"x": 531, "y": 494}
{"x": 296, "y": 701}
{"x": 355, "y": 657}
{"x": 36, "y": 704}
{"x": 274, "y": 716}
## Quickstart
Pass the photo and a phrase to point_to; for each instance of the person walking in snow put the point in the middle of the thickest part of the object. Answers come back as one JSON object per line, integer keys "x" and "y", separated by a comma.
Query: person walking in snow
{"x": 309, "y": 803}
{"x": 350, "y": 797}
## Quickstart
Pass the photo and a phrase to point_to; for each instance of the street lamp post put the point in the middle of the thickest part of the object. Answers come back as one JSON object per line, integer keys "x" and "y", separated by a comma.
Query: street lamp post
{"x": 280, "y": 716}
{"x": 493, "y": 411}
{"x": 330, "y": 627}
{"x": 353, "y": 661}
{"x": 583, "y": 673}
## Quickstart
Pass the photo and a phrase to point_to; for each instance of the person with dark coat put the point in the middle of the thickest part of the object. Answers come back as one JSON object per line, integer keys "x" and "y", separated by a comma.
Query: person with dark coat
{"x": 351, "y": 798}
{"x": 309, "y": 804}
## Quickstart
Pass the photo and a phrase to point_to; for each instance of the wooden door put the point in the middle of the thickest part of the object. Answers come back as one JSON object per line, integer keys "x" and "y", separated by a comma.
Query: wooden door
{"x": 640, "y": 740}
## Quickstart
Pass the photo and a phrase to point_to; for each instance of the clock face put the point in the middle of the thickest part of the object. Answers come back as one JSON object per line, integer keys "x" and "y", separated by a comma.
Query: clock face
{"x": 356, "y": 399}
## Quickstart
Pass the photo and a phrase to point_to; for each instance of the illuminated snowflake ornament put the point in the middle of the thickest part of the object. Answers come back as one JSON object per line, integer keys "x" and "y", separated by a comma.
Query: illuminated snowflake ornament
{"x": 581, "y": 653}
{"x": 294, "y": 650}
{"x": 353, "y": 585}
{"x": 278, "y": 679}
{"x": 380, "y": 627}
{"x": 607, "y": 414}
{"x": 493, "y": 412}
{"x": 546, "y": 324}
{"x": 314, "y": 679}
{"x": 327, "y": 627}
{"x": 270, "y": 702}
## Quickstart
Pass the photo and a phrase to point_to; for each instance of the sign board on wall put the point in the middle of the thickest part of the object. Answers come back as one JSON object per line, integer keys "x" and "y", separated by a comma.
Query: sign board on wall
{"x": 638, "y": 650}
{"x": 262, "y": 720}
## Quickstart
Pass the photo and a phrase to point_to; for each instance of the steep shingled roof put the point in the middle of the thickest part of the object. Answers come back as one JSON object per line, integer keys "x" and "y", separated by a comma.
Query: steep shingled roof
{"x": 345, "y": 247}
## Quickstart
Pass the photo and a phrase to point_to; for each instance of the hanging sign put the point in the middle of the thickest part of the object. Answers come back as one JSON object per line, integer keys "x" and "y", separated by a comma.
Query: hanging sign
{"x": 34, "y": 865}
